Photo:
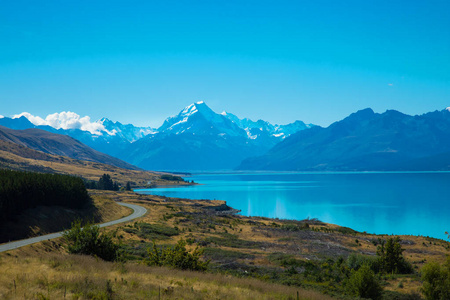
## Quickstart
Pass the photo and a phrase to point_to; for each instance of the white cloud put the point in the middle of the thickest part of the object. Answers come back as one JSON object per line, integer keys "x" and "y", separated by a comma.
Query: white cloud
{"x": 1, "y": 117}
{"x": 33, "y": 119}
{"x": 67, "y": 120}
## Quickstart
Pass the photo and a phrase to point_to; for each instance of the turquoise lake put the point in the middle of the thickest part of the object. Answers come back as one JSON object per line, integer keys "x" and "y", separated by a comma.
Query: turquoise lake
{"x": 382, "y": 203}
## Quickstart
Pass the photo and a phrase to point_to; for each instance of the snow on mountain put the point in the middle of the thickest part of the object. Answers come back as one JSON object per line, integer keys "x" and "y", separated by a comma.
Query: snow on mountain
{"x": 104, "y": 127}
{"x": 197, "y": 138}
{"x": 255, "y": 129}
{"x": 198, "y": 118}
{"x": 129, "y": 132}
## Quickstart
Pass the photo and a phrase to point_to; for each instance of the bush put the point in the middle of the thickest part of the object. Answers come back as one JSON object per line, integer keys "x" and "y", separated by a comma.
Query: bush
{"x": 436, "y": 280}
{"x": 171, "y": 177}
{"x": 391, "y": 257}
{"x": 356, "y": 261}
{"x": 176, "y": 257}
{"x": 362, "y": 283}
{"x": 105, "y": 183}
{"x": 88, "y": 240}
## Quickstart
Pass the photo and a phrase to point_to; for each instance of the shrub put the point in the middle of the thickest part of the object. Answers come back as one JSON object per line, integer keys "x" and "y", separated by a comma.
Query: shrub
{"x": 391, "y": 257}
{"x": 89, "y": 241}
{"x": 176, "y": 257}
{"x": 436, "y": 280}
{"x": 105, "y": 183}
{"x": 356, "y": 261}
{"x": 171, "y": 177}
{"x": 362, "y": 283}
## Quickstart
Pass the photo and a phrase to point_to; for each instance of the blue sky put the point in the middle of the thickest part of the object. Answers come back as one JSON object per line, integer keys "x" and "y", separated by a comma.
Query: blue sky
{"x": 141, "y": 61}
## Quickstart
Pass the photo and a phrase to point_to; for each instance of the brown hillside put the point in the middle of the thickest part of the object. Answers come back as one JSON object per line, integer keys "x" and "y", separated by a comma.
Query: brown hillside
{"x": 18, "y": 157}
{"x": 58, "y": 144}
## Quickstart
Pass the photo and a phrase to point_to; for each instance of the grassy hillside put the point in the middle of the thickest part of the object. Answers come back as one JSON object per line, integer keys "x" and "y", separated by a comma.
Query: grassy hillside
{"x": 17, "y": 157}
{"x": 59, "y": 144}
{"x": 251, "y": 258}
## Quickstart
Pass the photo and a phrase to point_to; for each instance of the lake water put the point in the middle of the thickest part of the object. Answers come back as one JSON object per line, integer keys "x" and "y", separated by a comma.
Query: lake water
{"x": 383, "y": 203}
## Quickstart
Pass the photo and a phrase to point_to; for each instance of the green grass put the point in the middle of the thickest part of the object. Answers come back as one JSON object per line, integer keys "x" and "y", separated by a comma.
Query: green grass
{"x": 151, "y": 231}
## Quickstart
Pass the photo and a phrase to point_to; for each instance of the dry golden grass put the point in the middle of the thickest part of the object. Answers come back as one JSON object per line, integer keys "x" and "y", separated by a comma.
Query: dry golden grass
{"x": 85, "y": 169}
{"x": 25, "y": 159}
{"x": 59, "y": 276}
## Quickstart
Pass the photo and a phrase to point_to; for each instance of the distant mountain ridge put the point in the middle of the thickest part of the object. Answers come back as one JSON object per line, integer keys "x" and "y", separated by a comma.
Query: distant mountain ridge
{"x": 364, "y": 141}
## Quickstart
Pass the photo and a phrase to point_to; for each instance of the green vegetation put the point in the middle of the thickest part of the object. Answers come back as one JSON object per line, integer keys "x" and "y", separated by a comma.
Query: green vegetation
{"x": 171, "y": 177}
{"x": 104, "y": 183}
{"x": 358, "y": 275}
{"x": 22, "y": 190}
{"x": 363, "y": 284}
{"x": 151, "y": 231}
{"x": 436, "y": 280}
{"x": 176, "y": 257}
{"x": 89, "y": 241}
{"x": 391, "y": 257}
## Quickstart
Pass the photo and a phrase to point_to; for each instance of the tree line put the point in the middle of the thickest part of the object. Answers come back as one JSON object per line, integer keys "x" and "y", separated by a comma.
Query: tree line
{"x": 23, "y": 190}
{"x": 106, "y": 183}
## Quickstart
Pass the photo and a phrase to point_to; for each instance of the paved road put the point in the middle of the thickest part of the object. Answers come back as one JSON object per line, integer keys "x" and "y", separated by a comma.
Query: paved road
{"x": 139, "y": 211}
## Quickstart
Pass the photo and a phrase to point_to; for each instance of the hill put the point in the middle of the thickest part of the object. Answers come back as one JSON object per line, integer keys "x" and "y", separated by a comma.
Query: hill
{"x": 58, "y": 144}
{"x": 21, "y": 158}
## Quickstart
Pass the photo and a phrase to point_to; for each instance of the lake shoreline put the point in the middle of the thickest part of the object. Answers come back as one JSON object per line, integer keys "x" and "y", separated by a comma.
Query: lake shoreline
{"x": 388, "y": 203}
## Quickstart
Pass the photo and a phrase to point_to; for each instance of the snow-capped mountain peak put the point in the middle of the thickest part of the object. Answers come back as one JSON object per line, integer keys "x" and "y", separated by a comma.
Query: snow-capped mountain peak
{"x": 129, "y": 132}
{"x": 198, "y": 118}
{"x": 256, "y": 128}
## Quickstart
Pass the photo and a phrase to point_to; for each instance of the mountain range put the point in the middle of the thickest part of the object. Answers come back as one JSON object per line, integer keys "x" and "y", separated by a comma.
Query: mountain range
{"x": 364, "y": 141}
{"x": 195, "y": 139}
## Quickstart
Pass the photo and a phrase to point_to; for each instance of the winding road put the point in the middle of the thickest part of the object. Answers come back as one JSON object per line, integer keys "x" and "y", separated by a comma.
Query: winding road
{"x": 138, "y": 211}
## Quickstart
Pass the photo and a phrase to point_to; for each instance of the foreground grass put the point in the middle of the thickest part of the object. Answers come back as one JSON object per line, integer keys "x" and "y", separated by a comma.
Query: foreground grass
{"x": 61, "y": 276}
